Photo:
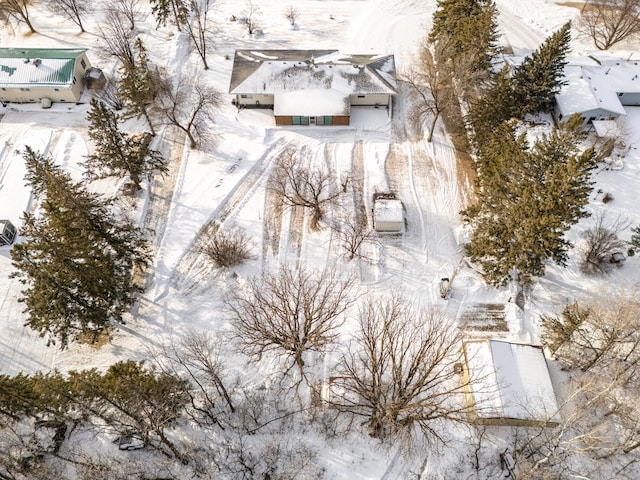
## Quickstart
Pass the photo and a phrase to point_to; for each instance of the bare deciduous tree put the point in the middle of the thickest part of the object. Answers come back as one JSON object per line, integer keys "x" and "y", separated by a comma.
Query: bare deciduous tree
{"x": 190, "y": 107}
{"x": 354, "y": 232}
{"x": 291, "y": 13}
{"x": 433, "y": 87}
{"x": 197, "y": 358}
{"x": 197, "y": 29}
{"x": 74, "y": 10}
{"x": 290, "y": 313}
{"x": 250, "y": 17}
{"x": 127, "y": 9}
{"x": 117, "y": 38}
{"x": 601, "y": 242}
{"x": 110, "y": 95}
{"x": 17, "y": 10}
{"x": 608, "y": 22}
{"x": 400, "y": 374}
{"x": 225, "y": 248}
{"x": 300, "y": 186}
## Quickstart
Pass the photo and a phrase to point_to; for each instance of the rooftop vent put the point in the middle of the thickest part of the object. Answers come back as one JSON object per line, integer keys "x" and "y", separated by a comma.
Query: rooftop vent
{"x": 36, "y": 61}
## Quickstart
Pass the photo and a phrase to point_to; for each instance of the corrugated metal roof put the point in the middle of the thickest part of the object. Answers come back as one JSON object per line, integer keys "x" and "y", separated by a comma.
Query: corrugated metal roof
{"x": 16, "y": 72}
{"x": 37, "y": 67}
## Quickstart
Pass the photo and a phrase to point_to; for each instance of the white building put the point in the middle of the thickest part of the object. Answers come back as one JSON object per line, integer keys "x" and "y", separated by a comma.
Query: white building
{"x": 28, "y": 75}
{"x": 388, "y": 215}
{"x": 510, "y": 383}
{"x": 598, "y": 90}
{"x": 311, "y": 87}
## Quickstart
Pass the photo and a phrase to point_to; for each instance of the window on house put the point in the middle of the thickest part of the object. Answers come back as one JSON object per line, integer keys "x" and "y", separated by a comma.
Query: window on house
{"x": 621, "y": 94}
{"x": 25, "y": 89}
{"x": 84, "y": 64}
{"x": 4, "y": 89}
{"x": 560, "y": 117}
{"x": 74, "y": 80}
{"x": 360, "y": 96}
{"x": 246, "y": 96}
{"x": 56, "y": 89}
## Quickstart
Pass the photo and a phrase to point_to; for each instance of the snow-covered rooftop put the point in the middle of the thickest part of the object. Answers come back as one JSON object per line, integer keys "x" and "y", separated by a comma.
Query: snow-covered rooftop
{"x": 596, "y": 86}
{"x": 285, "y": 71}
{"x": 37, "y": 67}
{"x": 388, "y": 210}
{"x": 513, "y": 381}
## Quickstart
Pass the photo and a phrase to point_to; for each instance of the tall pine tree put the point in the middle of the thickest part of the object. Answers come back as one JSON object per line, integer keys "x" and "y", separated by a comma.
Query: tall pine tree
{"x": 77, "y": 261}
{"x": 539, "y": 77}
{"x": 470, "y": 30}
{"x": 529, "y": 197}
{"x": 173, "y": 11}
{"x": 118, "y": 154}
{"x": 137, "y": 86}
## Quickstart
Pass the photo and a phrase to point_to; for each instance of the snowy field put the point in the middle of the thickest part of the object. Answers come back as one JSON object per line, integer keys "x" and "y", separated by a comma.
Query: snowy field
{"x": 227, "y": 183}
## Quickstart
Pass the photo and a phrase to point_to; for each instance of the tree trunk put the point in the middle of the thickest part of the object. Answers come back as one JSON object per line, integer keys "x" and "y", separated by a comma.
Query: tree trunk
{"x": 433, "y": 126}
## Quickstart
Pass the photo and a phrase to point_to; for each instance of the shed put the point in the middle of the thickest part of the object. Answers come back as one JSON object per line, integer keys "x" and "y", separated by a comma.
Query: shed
{"x": 8, "y": 232}
{"x": 388, "y": 213}
{"x": 510, "y": 383}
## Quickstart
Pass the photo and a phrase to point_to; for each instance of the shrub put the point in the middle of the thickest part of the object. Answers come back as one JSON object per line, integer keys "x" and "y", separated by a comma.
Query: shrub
{"x": 226, "y": 248}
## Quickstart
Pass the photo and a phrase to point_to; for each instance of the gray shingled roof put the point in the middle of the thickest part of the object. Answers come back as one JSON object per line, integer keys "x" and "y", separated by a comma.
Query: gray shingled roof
{"x": 282, "y": 71}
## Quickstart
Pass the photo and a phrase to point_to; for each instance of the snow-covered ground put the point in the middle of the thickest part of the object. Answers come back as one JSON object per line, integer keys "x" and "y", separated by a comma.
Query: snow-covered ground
{"x": 227, "y": 184}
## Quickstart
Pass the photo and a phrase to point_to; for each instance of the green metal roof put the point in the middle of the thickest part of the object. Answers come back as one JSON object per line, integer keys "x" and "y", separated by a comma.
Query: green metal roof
{"x": 38, "y": 67}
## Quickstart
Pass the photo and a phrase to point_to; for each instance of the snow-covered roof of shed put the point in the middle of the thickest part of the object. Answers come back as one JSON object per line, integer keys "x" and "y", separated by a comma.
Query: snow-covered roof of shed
{"x": 388, "y": 210}
{"x": 513, "y": 381}
{"x": 282, "y": 71}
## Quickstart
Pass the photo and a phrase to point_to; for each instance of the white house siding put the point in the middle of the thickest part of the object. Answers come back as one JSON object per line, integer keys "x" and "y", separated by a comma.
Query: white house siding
{"x": 597, "y": 114}
{"x": 369, "y": 100}
{"x": 255, "y": 100}
{"x": 36, "y": 94}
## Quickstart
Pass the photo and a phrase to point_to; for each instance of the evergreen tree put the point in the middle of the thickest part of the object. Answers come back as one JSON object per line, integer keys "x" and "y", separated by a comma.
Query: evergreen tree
{"x": 174, "y": 11}
{"x": 635, "y": 237}
{"x": 117, "y": 153}
{"x": 529, "y": 197}
{"x": 77, "y": 260}
{"x": 130, "y": 397}
{"x": 539, "y": 77}
{"x": 137, "y": 86}
{"x": 494, "y": 107}
{"x": 469, "y": 28}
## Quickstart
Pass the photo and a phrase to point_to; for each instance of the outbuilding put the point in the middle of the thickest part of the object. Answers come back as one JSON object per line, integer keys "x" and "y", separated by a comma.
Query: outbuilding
{"x": 388, "y": 213}
{"x": 509, "y": 384}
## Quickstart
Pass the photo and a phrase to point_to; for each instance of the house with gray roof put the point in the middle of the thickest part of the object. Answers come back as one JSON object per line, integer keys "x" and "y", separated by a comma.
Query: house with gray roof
{"x": 598, "y": 90}
{"x": 312, "y": 87}
{"x": 28, "y": 75}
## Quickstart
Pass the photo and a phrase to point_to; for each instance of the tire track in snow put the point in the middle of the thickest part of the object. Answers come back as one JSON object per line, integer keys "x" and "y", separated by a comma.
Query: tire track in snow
{"x": 233, "y": 201}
